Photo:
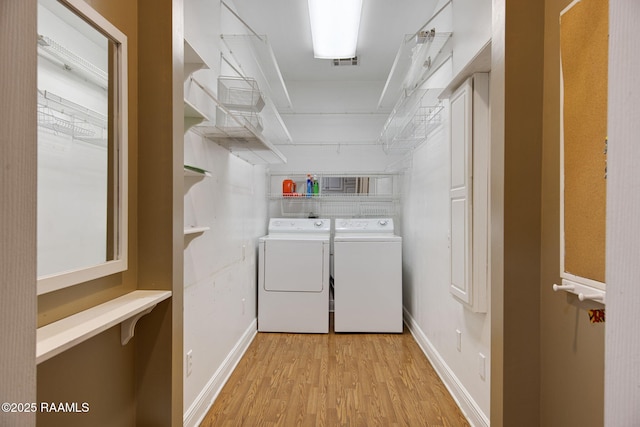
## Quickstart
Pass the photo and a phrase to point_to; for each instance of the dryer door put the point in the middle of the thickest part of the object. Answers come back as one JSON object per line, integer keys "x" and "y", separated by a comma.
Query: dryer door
{"x": 294, "y": 265}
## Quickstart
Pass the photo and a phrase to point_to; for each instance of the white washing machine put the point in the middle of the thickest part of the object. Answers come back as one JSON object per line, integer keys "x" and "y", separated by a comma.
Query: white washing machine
{"x": 293, "y": 276}
{"x": 367, "y": 277}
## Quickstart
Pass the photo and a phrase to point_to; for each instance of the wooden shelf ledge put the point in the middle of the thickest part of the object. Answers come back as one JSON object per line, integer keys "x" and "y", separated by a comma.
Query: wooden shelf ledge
{"x": 59, "y": 336}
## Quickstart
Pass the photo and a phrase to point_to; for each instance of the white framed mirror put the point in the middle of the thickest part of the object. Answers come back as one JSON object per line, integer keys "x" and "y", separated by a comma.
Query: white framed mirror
{"x": 82, "y": 145}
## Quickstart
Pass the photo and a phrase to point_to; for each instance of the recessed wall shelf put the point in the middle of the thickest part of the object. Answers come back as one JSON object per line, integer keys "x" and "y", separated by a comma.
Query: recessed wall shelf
{"x": 63, "y": 334}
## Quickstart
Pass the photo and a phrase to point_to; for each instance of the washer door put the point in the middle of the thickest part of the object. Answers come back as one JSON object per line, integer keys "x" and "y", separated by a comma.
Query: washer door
{"x": 294, "y": 265}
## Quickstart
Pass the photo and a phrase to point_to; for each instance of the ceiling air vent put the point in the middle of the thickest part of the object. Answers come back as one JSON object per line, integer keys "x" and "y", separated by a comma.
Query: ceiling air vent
{"x": 345, "y": 61}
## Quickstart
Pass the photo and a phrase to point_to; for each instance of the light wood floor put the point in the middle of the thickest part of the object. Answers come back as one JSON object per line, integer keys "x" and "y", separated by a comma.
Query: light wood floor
{"x": 334, "y": 380}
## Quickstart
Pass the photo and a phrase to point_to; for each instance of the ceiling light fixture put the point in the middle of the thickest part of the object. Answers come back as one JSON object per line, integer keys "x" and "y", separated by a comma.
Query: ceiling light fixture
{"x": 334, "y": 27}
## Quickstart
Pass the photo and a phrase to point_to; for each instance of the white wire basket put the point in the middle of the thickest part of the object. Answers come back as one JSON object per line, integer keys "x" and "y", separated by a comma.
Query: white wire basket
{"x": 240, "y": 94}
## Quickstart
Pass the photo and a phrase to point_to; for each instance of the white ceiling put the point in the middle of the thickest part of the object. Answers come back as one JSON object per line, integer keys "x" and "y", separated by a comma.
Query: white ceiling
{"x": 310, "y": 81}
{"x": 383, "y": 25}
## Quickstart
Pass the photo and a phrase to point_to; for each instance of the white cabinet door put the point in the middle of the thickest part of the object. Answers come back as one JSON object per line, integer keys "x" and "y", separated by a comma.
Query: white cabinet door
{"x": 460, "y": 194}
{"x": 468, "y": 194}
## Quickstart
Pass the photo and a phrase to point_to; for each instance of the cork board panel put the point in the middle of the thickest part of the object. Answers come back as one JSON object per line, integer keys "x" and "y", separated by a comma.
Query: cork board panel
{"x": 584, "y": 29}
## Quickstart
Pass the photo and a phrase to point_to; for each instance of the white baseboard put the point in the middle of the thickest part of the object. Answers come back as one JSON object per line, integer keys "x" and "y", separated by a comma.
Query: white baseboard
{"x": 199, "y": 408}
{"x": 467, "y": 404}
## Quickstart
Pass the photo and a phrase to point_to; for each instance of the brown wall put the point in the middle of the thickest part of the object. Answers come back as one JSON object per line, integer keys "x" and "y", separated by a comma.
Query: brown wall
{"x": 99, "y": 371}
{"x": 548, "y": 366}
{"x": 138, "y": 384}
{"x": 571, "y": 348}
{"x": 522, "y": 176}
{"x": 159, "y": 361}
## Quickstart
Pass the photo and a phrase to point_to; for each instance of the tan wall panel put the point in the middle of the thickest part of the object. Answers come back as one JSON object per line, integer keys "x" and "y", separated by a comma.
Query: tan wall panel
{"x": 570, "y": 345}
{"x": 159, "y": 353}
{"x": 99, "y": 371}
{"x": 523, "y": 66}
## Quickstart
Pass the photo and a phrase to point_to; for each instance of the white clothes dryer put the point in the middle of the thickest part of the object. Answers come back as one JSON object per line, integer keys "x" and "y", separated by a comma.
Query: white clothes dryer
{"x": 293, "y": 276}
{"x": 367, "y": 278}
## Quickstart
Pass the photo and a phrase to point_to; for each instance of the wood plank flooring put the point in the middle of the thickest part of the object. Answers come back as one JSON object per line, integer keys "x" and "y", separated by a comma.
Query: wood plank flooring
{"x": 334, "y": 380}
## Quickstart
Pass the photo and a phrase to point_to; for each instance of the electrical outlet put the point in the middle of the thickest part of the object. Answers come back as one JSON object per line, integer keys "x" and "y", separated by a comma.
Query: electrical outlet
{"x": 189, "y": 362}
{"x": 482, "y": 365}
{"x": 458, "y": 340}
{"x": 243, "y": 304}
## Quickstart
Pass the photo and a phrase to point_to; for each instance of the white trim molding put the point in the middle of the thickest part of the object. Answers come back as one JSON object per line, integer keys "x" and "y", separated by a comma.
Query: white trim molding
{"x": 463, "y": 399}
{"x": 194, "y": 415}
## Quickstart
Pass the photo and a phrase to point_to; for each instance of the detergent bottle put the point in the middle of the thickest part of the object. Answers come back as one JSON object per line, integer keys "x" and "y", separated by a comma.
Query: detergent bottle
{"x": 309, "y": 185}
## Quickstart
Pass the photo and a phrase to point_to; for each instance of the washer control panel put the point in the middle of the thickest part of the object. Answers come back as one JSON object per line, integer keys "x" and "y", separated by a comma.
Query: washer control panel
{"x": 297, "y": 225}
{"x": 365, "y": 225}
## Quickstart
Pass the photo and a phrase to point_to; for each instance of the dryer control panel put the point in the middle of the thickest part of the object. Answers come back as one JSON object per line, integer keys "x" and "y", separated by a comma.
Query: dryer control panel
{"x": 365, "y": 225}
{"x": 299, "y": 225}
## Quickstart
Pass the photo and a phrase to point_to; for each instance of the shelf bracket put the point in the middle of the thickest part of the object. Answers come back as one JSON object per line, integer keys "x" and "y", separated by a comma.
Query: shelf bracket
{"x": 128, "y": 326}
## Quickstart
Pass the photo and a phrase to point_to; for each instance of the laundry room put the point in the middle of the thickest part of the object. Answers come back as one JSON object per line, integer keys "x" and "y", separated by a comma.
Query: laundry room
{"x": 357, "y": 138}
{"x": 247, "y": 185}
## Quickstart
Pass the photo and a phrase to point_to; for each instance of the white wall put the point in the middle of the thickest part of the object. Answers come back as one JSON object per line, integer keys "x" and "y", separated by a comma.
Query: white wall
{"x": 344, "y": 142}
{"x": 220, "y": 264}
{"x": 622, "y": 371}
{"x": 471, "y": 30}
{"x": 316, "y": 158}
{"x": 434, "y": 315}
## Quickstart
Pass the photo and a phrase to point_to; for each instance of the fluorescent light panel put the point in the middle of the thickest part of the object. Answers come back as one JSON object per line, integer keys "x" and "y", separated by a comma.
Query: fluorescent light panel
{"x": 334, "y": 27}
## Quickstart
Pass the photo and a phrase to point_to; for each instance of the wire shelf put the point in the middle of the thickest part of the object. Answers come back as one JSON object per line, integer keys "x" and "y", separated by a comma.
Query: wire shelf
{"x": 239, "y": 132}
{"x": 73, "y": 62}
{"x": 418, "y": 57}
{"x": 225, "y": 121}
{"x": 416, "y": 131}
{"x": 65, "y": 117}
{"x": 379, "y": 195}
{"x": 336, "y": 207}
